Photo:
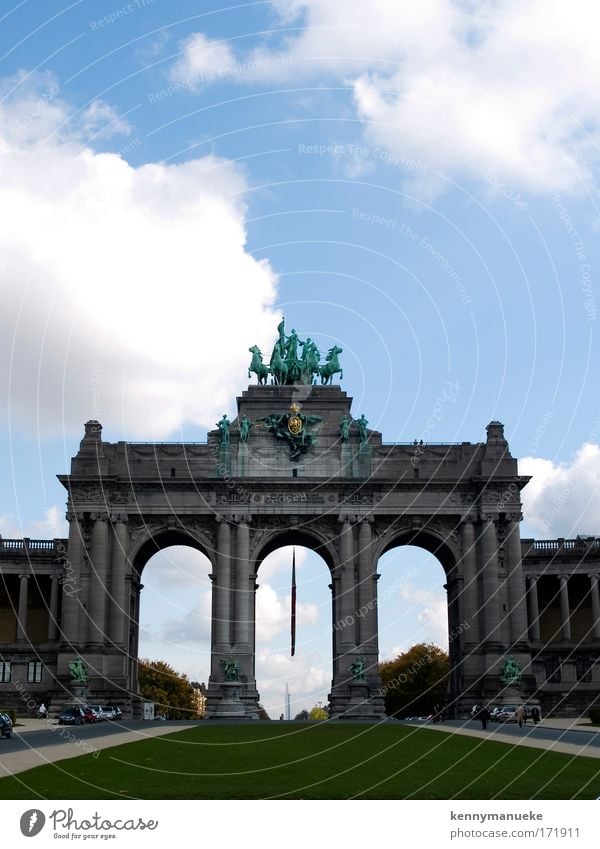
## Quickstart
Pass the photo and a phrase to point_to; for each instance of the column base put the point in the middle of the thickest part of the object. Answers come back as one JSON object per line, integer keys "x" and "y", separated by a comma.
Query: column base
{"x": 357, "y": 700}
{"x": 236, "y": 700}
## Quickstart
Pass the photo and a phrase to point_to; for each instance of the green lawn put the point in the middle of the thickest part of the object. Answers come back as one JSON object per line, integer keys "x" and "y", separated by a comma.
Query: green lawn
{"x": 312, "y": 761}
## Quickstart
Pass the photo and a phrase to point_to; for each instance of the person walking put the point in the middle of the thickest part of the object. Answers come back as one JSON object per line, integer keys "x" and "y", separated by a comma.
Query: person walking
{"x": 520, "y": 715}
{"x": 42, "y": 711}
{"x": 484, "y": 716}
{"x": 535, "y": 715}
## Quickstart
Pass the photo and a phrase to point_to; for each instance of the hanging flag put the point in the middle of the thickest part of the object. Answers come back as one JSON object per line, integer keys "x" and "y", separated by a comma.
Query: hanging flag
{"x": 293, "y": 606}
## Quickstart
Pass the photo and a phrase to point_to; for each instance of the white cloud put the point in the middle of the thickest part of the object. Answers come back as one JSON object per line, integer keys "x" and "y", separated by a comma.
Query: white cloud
{"x": 128, "y": 294}
{"x": 178, "y": 566}
{"x": 280, "y": 561}
{"x": 53, "y": 525}
{"x": 273, "y": 613}
{"x": 432, "y": 615}
{"x": 561, "y": 500}
{"x": 202, "y": 61}
{"x": 308, "y": 678}
{"x": 505, "y": 93}
{"x": 194, "y": 626}
{"x": 100, "y": 120}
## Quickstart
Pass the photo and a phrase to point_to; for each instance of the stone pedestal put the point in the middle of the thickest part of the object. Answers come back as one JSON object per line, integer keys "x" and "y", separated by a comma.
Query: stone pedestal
{"x": 229, "y": 700}
{"x": 510, "y": 694}
{"x": 363, "y": 701}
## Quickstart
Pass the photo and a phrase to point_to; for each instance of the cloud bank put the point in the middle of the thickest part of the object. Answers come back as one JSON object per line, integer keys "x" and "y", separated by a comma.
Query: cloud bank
{"x": 128, "y": 293}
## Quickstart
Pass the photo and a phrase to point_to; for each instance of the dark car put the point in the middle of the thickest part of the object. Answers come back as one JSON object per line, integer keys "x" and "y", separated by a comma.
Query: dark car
{"x": 6, "y": 725}
{"x": 71, "y": 716}
{"x": 89, "y": 715}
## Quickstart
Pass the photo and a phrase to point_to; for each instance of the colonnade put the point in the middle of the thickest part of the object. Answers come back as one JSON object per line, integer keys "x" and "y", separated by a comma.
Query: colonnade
{"x": 565, "y": 605}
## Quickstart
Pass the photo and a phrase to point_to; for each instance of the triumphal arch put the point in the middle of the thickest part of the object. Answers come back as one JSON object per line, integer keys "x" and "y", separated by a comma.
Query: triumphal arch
{"x": 297, "y": 465}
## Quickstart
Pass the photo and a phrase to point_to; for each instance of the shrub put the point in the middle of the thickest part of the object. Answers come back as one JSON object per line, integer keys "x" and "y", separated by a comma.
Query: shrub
{"x": 594, "y": 715}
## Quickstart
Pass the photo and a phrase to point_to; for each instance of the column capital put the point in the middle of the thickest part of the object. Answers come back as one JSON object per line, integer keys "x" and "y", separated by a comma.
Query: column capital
{"x": 99, "y": 517}
{"x": 487, "y": 516}
{"x": 366, "y": 519}
{"x": 563, "y": 577}
{"x": 514, "y": 517}
{"x": 241, "y": 519}
{"x": 24, "y": 575}
{"x": 119, "y": 518}
{"x": 74, "y": 516}
{"x": 469, "y": 519}
{"x": 346, "y": 518}
{"x": 593, "y": 576}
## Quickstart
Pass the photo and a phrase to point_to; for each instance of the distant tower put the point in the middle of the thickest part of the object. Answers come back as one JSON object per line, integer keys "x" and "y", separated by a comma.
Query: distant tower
{"x": 288, "y": 702}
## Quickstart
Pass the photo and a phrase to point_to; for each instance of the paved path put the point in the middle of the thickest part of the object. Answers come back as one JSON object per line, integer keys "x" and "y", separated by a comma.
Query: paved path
{"x": 39, "y": 742}
{"x": 570, "y": 736}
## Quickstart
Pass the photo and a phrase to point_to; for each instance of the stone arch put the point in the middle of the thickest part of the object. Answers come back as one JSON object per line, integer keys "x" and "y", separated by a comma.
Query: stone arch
{"x": 432, "y": 540}
{"x": 291, "y": 536}
{"x": 156, "y": 540}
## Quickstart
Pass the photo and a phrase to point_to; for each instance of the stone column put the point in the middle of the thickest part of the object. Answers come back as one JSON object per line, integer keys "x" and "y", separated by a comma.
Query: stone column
{"x": 222, "y": 588}
{"x": 534, "y": 608}
{"x": 517, "y": 594}
{"x": 119, "y": 609}
{"x": 595, "y": 606}
{"x": 346, "y": 613}
{"x": 244, "y": 586}
{"x": 71, "y": 561}
{"x": 22, "y": 610}
{"x": 98, "y": 582}
{"x": 53, "y": 610}
{"x": 491, "y": 598}
{"x": 470, "y": 594}
{"x": 565, "y": 612}
{"x": 367, "y": 593}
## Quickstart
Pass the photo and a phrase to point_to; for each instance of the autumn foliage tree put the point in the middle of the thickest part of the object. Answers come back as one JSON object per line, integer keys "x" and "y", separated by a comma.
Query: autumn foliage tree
{"x": 171, "y": 692}
{"x": 416, "y": 681}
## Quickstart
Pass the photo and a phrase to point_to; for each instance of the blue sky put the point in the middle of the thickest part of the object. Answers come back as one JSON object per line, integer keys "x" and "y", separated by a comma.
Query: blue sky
{"x": 416, "y": 182}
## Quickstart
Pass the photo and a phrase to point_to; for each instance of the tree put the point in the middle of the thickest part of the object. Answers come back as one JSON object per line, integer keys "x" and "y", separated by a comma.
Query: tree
{"x": 318, "y": 712}
{"x": 171, "y": 692}
{"x": 416, "y": 681}
{"x": 303, "y": 715}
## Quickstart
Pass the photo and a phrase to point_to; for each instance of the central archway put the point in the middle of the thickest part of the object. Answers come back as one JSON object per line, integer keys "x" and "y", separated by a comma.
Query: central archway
{"x": 290, "y": 684}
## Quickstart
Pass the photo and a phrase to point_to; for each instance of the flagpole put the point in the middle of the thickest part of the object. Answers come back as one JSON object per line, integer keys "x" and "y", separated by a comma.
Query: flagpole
{"x": 293, "y": 605}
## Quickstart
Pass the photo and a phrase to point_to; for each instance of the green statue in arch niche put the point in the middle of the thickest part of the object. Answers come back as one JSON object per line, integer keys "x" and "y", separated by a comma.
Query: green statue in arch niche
{"x": 511, "y": 672}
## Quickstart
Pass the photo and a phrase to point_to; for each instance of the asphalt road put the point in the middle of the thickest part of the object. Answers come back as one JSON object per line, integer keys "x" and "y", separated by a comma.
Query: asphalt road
{"x": 54, "y": 734}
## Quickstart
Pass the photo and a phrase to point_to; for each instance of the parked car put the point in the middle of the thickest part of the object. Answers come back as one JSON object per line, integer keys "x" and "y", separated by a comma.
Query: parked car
{"x": 71, "y": 716}
{"x": 99, "y": 711}
{"x": 112, "y": 712}
{"x": 6, "y": 725}
{"x": 89, "y": 715}
{"x": 506, "y": 714}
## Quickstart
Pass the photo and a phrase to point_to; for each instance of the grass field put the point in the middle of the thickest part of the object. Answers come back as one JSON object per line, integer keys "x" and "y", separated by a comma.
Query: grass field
{"x": 312, "y": 761}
